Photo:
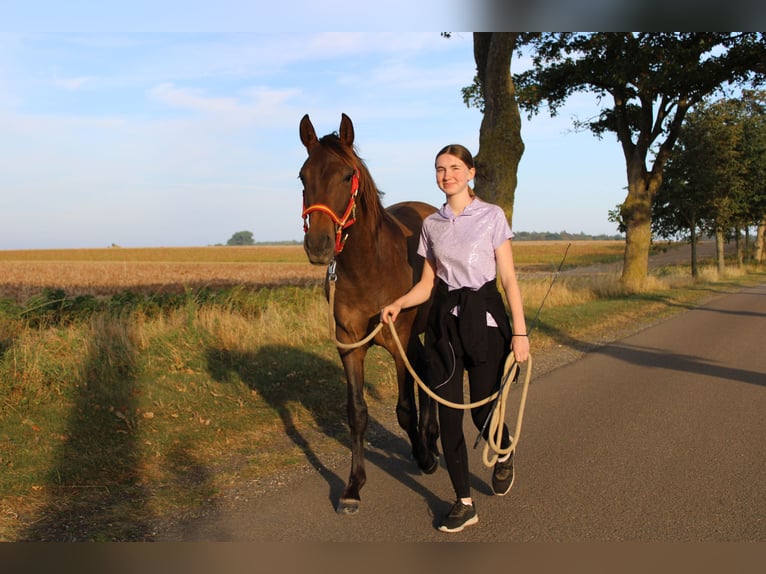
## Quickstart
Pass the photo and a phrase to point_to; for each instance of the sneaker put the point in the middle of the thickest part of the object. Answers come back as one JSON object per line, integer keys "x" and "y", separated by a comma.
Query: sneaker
{"x": 459, "y": 517}
{"x": 502, "y": 477}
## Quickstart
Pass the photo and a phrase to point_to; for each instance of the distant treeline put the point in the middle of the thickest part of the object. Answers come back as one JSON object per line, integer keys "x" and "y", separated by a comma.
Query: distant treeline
{"x": 517, "y": 236}
{"x": 563, "y": 236}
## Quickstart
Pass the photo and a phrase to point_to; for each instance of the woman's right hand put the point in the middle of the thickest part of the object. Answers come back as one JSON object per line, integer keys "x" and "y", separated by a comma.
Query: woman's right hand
{"x": 390, "y": 312}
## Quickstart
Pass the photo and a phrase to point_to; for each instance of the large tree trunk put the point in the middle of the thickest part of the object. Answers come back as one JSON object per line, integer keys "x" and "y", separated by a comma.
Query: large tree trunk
{"x": 638, "y": 239}
{"x": 636, "y": 214}
{"x": 500, "y": 144}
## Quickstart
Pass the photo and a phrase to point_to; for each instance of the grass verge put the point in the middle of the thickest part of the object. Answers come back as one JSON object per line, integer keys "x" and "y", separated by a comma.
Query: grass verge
{"x": 120, "y": 413}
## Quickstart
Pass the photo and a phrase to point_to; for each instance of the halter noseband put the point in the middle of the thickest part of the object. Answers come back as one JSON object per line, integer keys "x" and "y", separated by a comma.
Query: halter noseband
{"x": 341, "y": 223}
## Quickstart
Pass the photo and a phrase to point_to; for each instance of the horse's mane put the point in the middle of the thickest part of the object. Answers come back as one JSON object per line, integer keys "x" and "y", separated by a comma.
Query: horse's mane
{"x": 370, "y": 196}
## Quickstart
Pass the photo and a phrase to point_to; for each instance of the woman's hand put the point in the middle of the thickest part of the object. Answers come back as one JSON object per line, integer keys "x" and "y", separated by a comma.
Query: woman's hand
{"x": 390, "y": 312}
{"x": 520, "y": 348}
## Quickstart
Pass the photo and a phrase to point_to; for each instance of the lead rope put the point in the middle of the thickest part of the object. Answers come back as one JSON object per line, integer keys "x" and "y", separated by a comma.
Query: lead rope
{"x": 511, "y": 369}
{"x": 492, "y": 449}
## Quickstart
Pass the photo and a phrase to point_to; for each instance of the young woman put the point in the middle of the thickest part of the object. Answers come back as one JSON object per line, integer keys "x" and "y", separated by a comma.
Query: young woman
{"x": 466, "y": 245}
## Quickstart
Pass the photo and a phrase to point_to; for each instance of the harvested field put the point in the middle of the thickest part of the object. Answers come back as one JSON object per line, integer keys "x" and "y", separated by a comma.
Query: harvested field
{"x": 104, "y": 272}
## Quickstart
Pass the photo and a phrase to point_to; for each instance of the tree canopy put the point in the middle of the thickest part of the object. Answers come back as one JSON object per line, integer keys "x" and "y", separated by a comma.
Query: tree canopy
{"x": 644, "y": 85}
{"x": 241, "y": 238}
{"x": 714, "y": 180}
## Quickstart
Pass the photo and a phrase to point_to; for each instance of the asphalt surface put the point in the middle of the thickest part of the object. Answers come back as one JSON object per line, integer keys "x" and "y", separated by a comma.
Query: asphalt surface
{"x": 656, "y": 437}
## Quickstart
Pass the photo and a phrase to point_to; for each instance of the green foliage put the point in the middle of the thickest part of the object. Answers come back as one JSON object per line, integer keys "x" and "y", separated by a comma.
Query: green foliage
{"x": 241, "y": 238}
{"x": 632, "y": 73}
{"x": 562, "y": 236}
{"x": 52, "y": 306}
{"x": 715, "y": 178}
{"x": 645, "y": 84}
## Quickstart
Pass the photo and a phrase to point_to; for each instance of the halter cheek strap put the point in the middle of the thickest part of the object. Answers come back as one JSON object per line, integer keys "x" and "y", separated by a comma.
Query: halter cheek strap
{"x": 343, "y": 222}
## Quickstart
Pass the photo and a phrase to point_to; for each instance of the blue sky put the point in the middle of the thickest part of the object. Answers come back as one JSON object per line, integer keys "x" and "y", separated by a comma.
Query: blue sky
{"x": 182, "y": 138}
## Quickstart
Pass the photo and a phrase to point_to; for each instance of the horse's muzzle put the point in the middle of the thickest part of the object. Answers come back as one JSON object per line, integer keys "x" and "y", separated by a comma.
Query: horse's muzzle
{"x": 319, "y": 247}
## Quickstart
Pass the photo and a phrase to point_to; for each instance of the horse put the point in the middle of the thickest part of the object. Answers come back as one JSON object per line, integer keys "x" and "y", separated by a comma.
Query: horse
{"x": 372, "y": 259}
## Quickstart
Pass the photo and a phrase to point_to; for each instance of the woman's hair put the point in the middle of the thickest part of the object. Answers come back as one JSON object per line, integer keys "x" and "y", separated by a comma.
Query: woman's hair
{"x": 459, "y": 151}
{"x": 462, "y": 153}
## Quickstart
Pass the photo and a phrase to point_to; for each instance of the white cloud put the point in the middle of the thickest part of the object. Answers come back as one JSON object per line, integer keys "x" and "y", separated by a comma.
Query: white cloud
{"x": 246, "y": 106}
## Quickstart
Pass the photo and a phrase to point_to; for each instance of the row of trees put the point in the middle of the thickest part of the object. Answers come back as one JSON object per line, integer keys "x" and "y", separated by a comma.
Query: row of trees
{"x": 715, "y": 181}
{"x": 644, "y": 86}
{"x": 561, "y": 236}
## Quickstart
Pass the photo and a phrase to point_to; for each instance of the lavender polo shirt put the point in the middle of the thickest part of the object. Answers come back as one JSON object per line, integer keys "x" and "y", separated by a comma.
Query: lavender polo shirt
{"x": 463, "y": 247}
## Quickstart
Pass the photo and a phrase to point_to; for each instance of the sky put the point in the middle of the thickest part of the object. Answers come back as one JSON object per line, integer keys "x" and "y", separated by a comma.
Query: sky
{"x": 182, "y": 137}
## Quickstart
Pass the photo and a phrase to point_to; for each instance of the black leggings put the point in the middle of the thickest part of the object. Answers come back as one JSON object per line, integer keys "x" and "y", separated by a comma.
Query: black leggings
{"x": 483, "y": 380}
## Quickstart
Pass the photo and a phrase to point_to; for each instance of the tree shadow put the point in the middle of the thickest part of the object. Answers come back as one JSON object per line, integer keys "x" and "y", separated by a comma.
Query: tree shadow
{"x": 284, "y": 377}
{"x": 9, "y": 329}
{"x": 95, "y": 491}
{"x": 656, "y": 357}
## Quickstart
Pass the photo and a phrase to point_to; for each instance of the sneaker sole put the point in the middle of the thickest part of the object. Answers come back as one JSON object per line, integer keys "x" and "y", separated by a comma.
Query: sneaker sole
{"x": 470, "y": 522}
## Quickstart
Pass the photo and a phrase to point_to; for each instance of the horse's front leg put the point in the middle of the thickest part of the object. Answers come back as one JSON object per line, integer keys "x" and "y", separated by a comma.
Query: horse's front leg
{"x": 423, "y": 430}
{"x": 356, "y": 406}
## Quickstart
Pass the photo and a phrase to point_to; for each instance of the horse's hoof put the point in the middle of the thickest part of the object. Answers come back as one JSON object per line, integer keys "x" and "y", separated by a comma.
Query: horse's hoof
{"x": 431, "y": 466}
{"x": 347, "y": 506}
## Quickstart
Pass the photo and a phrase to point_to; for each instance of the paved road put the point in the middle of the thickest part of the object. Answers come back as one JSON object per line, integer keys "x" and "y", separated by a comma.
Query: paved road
{"x": 657, "y": 437}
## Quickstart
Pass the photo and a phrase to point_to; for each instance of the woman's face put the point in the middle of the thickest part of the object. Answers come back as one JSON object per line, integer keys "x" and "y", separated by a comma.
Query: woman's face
{"x": 452, "y": 175}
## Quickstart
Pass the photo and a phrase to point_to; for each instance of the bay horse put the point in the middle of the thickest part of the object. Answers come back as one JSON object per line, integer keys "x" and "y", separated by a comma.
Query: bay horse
{"x": 371, "y": 253}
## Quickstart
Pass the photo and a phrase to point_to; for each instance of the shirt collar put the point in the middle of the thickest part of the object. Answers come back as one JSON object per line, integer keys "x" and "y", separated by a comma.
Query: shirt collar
{"x": 446, "y": 211}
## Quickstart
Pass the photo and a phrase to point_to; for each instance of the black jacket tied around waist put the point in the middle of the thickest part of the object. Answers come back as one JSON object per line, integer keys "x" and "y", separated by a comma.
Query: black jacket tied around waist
{"x": 448, "y": 336}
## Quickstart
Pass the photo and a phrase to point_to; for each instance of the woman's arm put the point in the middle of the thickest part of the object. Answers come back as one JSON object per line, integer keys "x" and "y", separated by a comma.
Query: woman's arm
{"x": 419, "y": 293}
{"x": 507, "y": 273}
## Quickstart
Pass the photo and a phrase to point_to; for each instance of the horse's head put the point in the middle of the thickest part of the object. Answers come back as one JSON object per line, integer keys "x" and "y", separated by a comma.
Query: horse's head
{"x": 330, "y": 178}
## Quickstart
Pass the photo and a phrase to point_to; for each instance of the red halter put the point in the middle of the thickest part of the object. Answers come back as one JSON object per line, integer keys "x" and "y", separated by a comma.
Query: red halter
{"x": 341, "y": 223}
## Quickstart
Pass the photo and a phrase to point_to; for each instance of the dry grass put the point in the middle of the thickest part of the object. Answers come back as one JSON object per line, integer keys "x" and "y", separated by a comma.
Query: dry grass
{"x": 119, "y": 422}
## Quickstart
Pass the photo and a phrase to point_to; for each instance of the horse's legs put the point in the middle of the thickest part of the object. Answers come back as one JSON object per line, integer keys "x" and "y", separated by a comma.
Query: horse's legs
{"x": 428, "y": 422}
{"x": 423, "y": 431}
{"x": 356, "y": 406}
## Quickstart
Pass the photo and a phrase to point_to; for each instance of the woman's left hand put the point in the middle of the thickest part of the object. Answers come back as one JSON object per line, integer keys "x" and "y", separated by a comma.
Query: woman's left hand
{"x": 520, "y": 348}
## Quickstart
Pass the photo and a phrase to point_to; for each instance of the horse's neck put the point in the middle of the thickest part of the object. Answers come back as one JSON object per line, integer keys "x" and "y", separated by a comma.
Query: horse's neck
{"x": 367, "y": 249}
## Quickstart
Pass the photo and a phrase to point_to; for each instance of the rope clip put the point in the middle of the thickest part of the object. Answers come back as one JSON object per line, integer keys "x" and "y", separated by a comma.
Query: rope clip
{"x": 331, "y": 275}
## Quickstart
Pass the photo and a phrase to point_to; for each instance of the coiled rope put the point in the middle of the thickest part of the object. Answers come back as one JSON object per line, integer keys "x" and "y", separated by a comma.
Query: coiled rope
{"x": 492, "y": 448}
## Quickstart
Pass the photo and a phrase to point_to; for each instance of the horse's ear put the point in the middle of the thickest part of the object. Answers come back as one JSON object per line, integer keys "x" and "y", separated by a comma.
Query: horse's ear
{"x": 346, "y": 130}
{"x": 308, "y": 135}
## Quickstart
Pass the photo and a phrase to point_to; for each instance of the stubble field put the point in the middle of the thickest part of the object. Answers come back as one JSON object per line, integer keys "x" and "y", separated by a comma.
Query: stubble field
{"x": 103, "y": 272}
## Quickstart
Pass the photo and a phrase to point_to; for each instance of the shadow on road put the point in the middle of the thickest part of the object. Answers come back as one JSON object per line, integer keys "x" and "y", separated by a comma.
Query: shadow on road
{"x": 286, "y": 378}
{"x": 659, "y": 358}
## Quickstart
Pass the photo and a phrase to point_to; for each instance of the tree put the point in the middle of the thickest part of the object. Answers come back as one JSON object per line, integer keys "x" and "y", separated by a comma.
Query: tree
{"x": 241, "y": 238}
{"x": 647, "y": 83}
{"x": 714, "y": 180}
{"x": 703, "y": 187}
{"x": 500, "y": 143}
{"x": 676, "y": 209}
{"x": 720, "y": 171}
{"x": 754, "y": 150}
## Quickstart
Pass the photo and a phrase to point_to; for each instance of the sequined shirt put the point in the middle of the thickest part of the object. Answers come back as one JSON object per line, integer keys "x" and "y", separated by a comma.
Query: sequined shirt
{"x": 462, "y": 247}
